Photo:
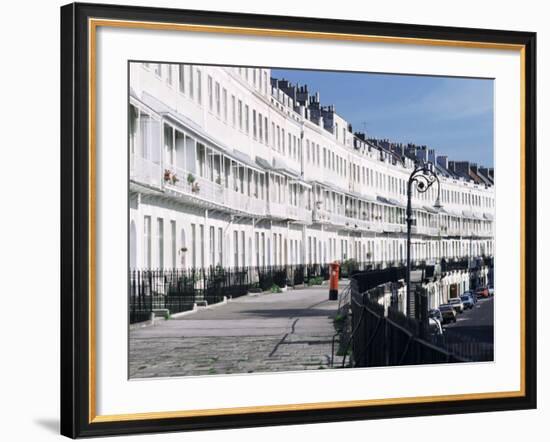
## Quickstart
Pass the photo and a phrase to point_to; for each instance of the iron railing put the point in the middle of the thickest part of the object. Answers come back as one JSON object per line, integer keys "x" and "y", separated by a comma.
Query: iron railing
{"x": 178, "y": 290}
{"x": 383, "y": 336}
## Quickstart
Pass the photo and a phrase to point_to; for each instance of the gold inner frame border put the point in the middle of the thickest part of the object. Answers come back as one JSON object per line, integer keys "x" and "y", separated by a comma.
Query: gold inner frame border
{"x": 93, "y": 24}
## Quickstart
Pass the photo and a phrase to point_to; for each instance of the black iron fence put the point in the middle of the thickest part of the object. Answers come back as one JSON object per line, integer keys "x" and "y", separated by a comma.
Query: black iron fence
{"x": 383, "y": 336}
{"x": 370, "y": 279}
{"x": 178, "y": 290}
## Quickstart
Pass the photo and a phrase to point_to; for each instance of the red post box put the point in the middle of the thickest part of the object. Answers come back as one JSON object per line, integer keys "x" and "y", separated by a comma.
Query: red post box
{"x": 333, "y": 286}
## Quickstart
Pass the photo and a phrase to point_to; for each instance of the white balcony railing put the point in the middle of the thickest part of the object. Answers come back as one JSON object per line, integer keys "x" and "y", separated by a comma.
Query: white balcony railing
{"x": 299, "y": 214}
{"x": 244, "y": 202}
{"x": 145, "y": 171}
{"x": 191, "y": 184}
{"x": 212, "y": 192}
{"x": 325, "y": 216}
{"x": 287, "y": 211}
{"x": 425, "y": 230}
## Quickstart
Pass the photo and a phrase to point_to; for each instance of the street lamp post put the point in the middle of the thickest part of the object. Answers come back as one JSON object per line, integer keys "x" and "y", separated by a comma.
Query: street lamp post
{"x": 424, "y": 176}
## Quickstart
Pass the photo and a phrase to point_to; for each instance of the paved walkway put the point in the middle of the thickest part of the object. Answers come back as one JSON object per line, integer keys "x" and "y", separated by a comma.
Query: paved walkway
{"x": 285, "y": 331}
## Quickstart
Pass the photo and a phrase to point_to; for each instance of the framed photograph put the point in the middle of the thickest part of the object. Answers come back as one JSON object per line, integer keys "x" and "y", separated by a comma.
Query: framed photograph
{"x": 273, "y": 220}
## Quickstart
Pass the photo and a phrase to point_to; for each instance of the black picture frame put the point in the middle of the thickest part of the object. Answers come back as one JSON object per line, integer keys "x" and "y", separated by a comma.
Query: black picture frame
{"x": 75, "y": 220}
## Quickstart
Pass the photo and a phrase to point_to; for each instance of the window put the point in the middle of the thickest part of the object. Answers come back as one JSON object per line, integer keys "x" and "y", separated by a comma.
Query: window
{"x": 260, "y": 128}
{"x": 158, "y": 70}
{"x": 181, "y": 78}
{"x": 217, "y": 96}
{"x": 318, "y": 155}
{"x": 224, "y": 100}
{"x": 243, "y": 249}
{"x": 191, "y": 82}
{"x": 283, "y": 262}
{"x": 275, "y": 249}
{"x": 220, "y": 246}
{"x": 134, "y": 122}
{"x": 210, "y": 97}
{"x": 254, "y": 127}
{"x": 233, "y": 111}
{"x": 236, "y": 248}
{"x": 199, "y": 86}
{"x": 160, "y": 242}
{"x": 257, "y": 247}
{"x": 147, "y": 242}
{"x": 263, "y": 249}
{"x": 169, "y": 145}
{"x": 240, "y": 111}
{"x": 212, "y": 246}
{"x": 266, "y": 133}
{"x": 201, "y": 230}
{"x": 194, "y": 245}
{"x": 169, "y": 78}
{"x": 246, "y": 117}
{"x": 173, "y": 243}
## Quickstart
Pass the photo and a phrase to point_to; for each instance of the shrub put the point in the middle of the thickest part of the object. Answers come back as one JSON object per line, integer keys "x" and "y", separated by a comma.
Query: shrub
{"x": 317, "y": 280}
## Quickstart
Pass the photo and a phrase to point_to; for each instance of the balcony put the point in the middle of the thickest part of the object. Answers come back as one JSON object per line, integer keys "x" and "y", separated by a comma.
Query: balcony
{"x": 394, "y": 228}
{"x": 289, "y": 212}
{"x": 145, "y": 171}
{"x": 425, "y": 230}
{"x": 322, "y": 216}
{"x": 299, "y": 214}
{"x": 209, "y": 194}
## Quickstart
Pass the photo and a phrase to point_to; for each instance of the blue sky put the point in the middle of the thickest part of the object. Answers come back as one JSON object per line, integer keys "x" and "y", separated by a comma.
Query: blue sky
{"x": 452, "y": 115}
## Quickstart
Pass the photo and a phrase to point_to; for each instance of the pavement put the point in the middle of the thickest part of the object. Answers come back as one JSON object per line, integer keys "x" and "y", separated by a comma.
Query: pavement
{"x": 265, "y": 332}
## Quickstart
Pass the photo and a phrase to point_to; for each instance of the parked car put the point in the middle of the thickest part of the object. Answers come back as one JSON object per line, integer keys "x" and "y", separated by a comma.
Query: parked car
{"x": 434, "y": 327}
{"x": 447, "y": 313}
{"x": 482, "y": 292}
{"x": 491, "y": 290}
{"x": 472, "y": 294}
{"x": 467, "y": 300}
{"x": 457, "y": 304}
{"x": 436, "y": 314}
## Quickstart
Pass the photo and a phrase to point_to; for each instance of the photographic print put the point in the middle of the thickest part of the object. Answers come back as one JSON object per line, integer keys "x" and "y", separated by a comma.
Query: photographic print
{"x": 288, "y": 220}
{"x": 257, "y": 207}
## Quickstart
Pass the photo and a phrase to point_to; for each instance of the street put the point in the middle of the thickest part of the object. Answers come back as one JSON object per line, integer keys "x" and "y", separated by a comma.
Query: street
{"x": 264, "y": 332}
{"x": 476, "y": 323}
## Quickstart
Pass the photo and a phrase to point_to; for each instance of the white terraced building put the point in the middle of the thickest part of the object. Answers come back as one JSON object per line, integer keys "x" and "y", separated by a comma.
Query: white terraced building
{"x": 230, "y": 167}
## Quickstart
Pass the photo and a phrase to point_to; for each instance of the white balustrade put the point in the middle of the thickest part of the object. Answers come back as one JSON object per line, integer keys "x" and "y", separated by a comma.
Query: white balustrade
{"x": 145, "y": 171}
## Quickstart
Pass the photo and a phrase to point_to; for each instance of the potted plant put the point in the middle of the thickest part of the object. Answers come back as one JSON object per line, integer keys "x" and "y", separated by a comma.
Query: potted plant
{"x": 190, "y": 178}
{"x": 195, "y": 187}
{"x": 167, "y": 175}
{"x": 174, "y": 178}
{"x": 219, "y": 181}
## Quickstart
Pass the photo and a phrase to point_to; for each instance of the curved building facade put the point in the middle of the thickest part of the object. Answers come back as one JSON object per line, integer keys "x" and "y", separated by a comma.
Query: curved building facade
{"x": 229, "y": 167}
